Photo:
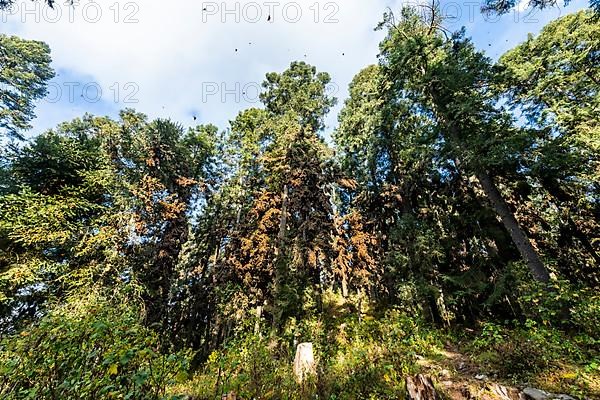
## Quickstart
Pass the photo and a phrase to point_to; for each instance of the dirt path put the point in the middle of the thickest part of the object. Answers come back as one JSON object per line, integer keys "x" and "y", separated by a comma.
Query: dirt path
{"x": 459, "y": 377}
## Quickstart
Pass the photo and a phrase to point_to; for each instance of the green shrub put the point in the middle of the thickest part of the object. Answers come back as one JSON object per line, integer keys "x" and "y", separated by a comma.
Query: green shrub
{"x": 372, "y": 357}
{"x": 92, "y": 347}
{"x": 559, "y": 304}
{"x": 250, "y": 366}
{"x": 527, "y": 349}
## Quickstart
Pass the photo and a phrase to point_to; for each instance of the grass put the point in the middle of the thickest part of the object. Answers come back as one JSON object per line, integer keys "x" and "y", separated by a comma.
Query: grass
{"x": 371, "y": 355}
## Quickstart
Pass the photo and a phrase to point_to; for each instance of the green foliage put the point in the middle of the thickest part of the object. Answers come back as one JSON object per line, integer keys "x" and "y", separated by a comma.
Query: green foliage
{"x": 133, "y": 251}
{"x": 58, "y": 160}
{"x": 365, "y": 359}
{"x": 370, "y": 359}
{"x": 526, "y": 350}
{"x": 247, "y": 366}
{"x": 553, "y": 78}
{"x": 37, "y": 223}
{"x": 24, "y": 71}
{"x": 91, "y": 347}
{"x": 563, "y": 305}
{"x": 301, "y": 91}
{"x": 54, "y": 219}
{"x": 560, "y": 329}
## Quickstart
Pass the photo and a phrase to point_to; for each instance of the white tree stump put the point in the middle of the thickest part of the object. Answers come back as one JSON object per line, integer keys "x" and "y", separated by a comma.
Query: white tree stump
{"x": 304, "y": 363}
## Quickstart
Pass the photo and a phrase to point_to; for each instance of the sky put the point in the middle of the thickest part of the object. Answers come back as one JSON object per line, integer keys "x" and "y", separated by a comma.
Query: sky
{"x": 182, "y": 59}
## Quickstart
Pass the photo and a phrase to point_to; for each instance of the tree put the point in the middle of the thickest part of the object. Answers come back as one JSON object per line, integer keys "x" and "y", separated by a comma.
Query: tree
{"x": 553, "y": 80}
{"x": 24, "y": 73}
{"x": 440, "y": 249}
{"x": 55, "y": 220}
{"x": 381, "y": 145}
{"x": 162, "y": 172}
{"x": 450, "y": 82}
{"x": 279, "y": 242}
{"x": 111, "y": 198}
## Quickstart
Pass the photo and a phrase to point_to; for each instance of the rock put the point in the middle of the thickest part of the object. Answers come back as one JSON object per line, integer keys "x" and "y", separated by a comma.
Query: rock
{"x": 304, "y": 363}
{"x": 536, "y": 394}
{"x": 421, "y": 387}
{"x": 481, "y": 377}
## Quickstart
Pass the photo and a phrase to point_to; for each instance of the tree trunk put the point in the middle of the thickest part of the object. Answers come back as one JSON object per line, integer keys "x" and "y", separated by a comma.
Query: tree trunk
{"x": 278, "y": 253}
{"x": 421, "y": 387}
{"x": 304, "y": 362}
{"x": 282, "y": 221}
{"x": 344, "y": 285}
{"x": 537, "y": 268}
{"x": 258, "y": 317}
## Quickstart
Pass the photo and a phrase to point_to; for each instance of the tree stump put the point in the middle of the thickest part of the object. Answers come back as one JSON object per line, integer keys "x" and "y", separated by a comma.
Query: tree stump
{"x": 304, "y": 363}
{"x": 503, "y": 392}
{"x": 421, "y": 387}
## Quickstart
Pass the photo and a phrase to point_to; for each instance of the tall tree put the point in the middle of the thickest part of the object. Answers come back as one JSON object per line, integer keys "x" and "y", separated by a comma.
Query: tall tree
{"x": 280, "y": 242}
{"x": 439, "y": 247}
{"x": 553, "y": 80}
{"x": 450, "y": 81}
{"x": 163, "y": 171}
{"x": 56, "y": 221}
{"x": 24, "y": 73}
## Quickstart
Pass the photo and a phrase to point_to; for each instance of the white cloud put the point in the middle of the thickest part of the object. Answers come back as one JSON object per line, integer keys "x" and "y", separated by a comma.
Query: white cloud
{"x": 174, "y": 49}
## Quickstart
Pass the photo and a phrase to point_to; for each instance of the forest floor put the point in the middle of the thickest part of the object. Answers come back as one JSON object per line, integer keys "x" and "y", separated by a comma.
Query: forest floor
{"x": 459, "y": 375}
{"x": 461, "y": 368}
{"x": 372, "y": 354}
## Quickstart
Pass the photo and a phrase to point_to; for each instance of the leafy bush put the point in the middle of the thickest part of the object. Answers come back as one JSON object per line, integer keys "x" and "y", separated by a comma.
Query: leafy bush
{"x": 93, "y": 347}
{"x": 530, "y": 348}
{"x": 370, "y": 358}
{"x": 559, "y": 304}
{"x": 250, "y": 366}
